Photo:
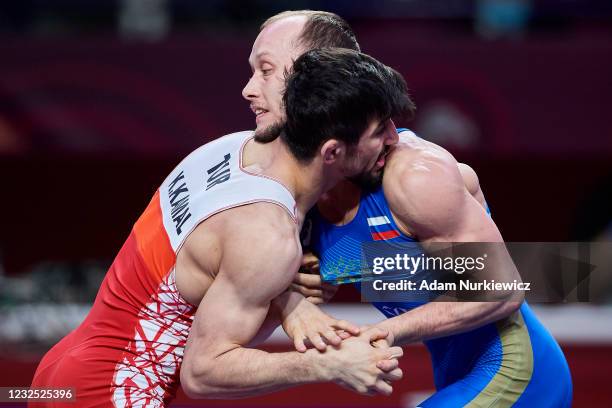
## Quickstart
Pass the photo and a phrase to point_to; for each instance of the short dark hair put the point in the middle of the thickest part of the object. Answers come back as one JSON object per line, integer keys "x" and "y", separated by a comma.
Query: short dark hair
{"x": 334, "y": 93}
{"x": 322, "y": 29}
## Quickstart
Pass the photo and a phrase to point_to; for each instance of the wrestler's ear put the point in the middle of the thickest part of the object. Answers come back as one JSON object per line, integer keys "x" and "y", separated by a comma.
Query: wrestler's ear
{"x": 332, "y": 150}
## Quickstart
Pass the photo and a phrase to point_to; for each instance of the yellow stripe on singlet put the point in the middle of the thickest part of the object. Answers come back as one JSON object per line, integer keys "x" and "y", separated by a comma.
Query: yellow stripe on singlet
{"x": 515, "y": 369}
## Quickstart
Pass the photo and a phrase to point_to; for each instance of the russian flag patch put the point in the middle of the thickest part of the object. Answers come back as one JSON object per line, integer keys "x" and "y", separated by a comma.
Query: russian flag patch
{"x": 381, "y": 228}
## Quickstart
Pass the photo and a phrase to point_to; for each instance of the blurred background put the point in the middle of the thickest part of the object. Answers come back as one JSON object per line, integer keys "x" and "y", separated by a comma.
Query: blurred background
{"x": 99, "y": 100}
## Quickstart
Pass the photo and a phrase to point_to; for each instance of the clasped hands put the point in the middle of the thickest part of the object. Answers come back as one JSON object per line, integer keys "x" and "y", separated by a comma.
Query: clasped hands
{"x": 366, "y": 354}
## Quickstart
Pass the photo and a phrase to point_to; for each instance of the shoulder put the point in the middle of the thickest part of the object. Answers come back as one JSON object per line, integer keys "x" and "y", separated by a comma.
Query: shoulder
{"x": 267, "y": 229}
{"x": 424, "y": 186}
{"x": 247, "y": 231}
{"x": 261, "y": 246}
{"x": 237, "y": 137}
{"x": 422, "y": 147}
{"x": 416, "y": 165}
{"x": 261, "y": 223}
{"x": 426, "y": 150}
{"x": 255, "y": 244}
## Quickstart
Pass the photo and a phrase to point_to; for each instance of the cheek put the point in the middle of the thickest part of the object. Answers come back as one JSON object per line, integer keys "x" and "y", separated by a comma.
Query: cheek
{"x": 360, "y": 160}
{"x": 367, "y": 153}
{"x": 274, "y": 96}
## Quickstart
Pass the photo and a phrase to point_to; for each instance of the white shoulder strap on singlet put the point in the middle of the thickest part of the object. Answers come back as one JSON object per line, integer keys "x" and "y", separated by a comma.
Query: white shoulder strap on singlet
{"x": 211, "y": 180}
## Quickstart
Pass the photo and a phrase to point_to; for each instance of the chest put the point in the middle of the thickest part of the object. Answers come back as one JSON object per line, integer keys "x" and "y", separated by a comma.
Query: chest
{"x": 341, "y": 247}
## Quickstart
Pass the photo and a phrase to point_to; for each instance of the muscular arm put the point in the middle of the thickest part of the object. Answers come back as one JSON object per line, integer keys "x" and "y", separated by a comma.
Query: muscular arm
{"x": 441, "y": 319}
{"x": 258, "y": 264}
{"x": 260, "y": 254}
{"x": 435, "y": 203}
{"x": 271, "y": 322}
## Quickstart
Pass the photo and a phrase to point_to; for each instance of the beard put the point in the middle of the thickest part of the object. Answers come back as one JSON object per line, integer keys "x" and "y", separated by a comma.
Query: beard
{"x": 270, "y": 133}
{"x": 368, "y": 181}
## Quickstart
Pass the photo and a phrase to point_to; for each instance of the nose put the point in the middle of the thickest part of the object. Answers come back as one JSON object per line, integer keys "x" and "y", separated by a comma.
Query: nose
{"x": 250, "y": 90}
{"x": 392, "y": 135}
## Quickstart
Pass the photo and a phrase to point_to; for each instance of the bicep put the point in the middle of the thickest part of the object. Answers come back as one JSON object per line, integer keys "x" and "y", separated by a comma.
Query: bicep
{"x": 237, "y": 302}
{"x": 226, "y": 318}
{"x": 472, "y": 224}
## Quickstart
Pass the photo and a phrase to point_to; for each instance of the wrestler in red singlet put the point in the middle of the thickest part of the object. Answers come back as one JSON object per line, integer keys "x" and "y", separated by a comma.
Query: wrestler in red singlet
{"x": 128, "y": 351}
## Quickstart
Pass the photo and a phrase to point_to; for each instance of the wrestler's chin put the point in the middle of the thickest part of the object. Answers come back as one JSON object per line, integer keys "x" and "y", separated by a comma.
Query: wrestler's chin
{"x": 267, "y": 133}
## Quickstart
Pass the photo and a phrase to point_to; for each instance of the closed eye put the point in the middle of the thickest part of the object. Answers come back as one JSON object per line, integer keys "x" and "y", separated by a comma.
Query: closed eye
{"x": 382, "y": 127}
{"x": 266, "y": 68}
{"x": 380, "y": 130}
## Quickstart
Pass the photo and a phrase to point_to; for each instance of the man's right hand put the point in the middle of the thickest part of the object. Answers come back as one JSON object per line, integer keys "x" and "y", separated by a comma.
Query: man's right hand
{"x": 308, "y": 281}
{"x": 356, "y": 363}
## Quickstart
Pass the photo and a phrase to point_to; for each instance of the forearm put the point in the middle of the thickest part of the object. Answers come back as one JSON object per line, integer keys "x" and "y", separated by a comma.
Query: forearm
{"x": 441, "y": 319}
{"x": 280, "y": 307}
{"x": 284, "y": 304}
{"x": 243, "y": 372}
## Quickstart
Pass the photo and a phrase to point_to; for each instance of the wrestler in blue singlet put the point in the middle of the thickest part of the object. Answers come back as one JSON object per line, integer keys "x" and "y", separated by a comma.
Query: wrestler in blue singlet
{"x": 513, "y": 362}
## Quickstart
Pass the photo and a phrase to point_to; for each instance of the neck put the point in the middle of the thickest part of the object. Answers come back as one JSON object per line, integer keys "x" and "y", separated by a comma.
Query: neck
{"x": 306, "y": 182}
{"x": 340, "y": 204}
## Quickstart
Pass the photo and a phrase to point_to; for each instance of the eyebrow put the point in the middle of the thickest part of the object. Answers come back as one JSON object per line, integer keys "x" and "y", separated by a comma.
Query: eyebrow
{"x": 259, "y": 55}
{"x": 380, "y": 126}
{"x": 262, "y": 53}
